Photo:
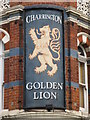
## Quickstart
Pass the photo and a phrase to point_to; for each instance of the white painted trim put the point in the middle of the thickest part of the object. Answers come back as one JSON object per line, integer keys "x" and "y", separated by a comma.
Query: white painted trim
{"x": 83, "y": 33}
{"x": 10, "y": 20}
{"x": 78, "y": 42}
{"x": 83, "y": 25}
{"x": 86, "y": 80}
{"x": 84, "y": 38}
{"x": 6, "y": 38}
{"x": 1, "y": 75}
{"x": 41, "y": 113}
{"x": 82, "y": 59}
{"x": 78, "y": 22}
{"x": 85, "y": 109}
{"x": 77, "y": 13}
{"x": 83, "y": 51}
{"x": 3, "y": 112}
{"x": 11, "y": 10}
{"x": 72, "y": 19}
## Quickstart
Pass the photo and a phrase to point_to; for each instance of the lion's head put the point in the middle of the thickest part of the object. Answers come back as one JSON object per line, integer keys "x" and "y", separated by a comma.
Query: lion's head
{"x": 45, "y": 30}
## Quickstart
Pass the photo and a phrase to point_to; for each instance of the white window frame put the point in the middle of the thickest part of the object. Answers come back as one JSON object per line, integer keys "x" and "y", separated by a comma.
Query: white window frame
{"x": 1, "y": 75}
{"x": 3, "y": 41}
{"x": 83, "y": 59}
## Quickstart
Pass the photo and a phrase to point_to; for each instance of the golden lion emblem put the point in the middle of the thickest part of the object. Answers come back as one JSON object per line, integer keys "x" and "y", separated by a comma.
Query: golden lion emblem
{"x": 43, "y": 46}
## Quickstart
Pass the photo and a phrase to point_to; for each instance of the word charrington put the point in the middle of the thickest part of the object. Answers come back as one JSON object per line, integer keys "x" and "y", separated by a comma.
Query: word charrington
{"x": 44, "y": 86}
{"x": 55, "y": 18}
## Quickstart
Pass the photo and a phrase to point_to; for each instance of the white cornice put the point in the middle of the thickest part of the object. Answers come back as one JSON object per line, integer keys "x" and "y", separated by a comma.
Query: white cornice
{"x": 10, "y": 20}
{"x": 77, "y": 13}
{"x": 72, "y": 19}
{"x": 79, "y": 23}
{"x": 78, "y": 17}
{"x": 83, "y": 25}
{"x": 74, "y": 16}
{"x": 11, "y": 10}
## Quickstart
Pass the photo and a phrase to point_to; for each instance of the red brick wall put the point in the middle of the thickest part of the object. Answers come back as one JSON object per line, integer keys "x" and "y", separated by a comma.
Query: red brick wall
{"x": 12, "y": 73}
{"x": 6, "y": 80}
{"x": 13, "y": 97}
{"x": 71, "y": 30}
{"x": 71, "y": 66}
{"x": 14, "y": 70}
{"x": 81, "y": 29}
{"x": 63, "y": 4}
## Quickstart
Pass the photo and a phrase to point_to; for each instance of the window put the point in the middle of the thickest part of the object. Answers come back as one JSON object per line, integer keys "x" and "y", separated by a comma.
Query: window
{"x": 83, "y": 82}
{"x": 3, "y": 55}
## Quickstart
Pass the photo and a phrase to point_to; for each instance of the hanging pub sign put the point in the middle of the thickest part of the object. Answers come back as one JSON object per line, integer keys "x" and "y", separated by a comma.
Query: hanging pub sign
{"x": 44, "y": 80}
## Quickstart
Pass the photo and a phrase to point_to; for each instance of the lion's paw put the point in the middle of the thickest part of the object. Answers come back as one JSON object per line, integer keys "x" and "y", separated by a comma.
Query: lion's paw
{"x": 53, "y": 71}
{"x": 50, "y": 73}
{"x": 32, "y": 31}
{"x": 37, "y": 70}
{"x": 30, "y": 57}
{"x": 40, "y": 69}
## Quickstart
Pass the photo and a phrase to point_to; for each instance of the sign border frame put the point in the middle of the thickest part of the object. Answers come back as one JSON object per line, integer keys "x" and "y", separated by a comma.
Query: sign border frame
{"x": 64, "y": 16}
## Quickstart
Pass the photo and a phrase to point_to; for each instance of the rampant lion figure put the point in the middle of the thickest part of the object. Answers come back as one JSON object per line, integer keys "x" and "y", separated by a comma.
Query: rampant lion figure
{"x": 42, "y": 46}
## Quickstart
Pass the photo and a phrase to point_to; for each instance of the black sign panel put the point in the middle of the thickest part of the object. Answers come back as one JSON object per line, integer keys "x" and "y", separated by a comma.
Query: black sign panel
{"x": 44, "y": 83}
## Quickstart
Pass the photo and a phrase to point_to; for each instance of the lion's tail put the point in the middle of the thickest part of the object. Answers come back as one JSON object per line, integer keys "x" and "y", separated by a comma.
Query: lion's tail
{"x": 56, "y": 49}
{"x": 55, "y": 43}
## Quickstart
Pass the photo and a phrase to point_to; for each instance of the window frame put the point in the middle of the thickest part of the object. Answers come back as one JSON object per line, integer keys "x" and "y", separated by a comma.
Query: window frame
{"x": 3, "y": 40}
{"x": 2, "y": 76}
{"x": 83, "y": 59}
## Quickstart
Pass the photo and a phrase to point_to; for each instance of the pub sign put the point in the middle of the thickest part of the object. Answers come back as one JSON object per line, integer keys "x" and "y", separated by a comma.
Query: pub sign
{"x": 44, "y": 80}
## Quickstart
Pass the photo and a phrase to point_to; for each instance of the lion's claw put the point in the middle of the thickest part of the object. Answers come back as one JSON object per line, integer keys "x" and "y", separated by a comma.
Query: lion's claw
{"x": 30, "y": 57}
{"x": 37, "y": 70}
{"x": 50, "y": 73}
